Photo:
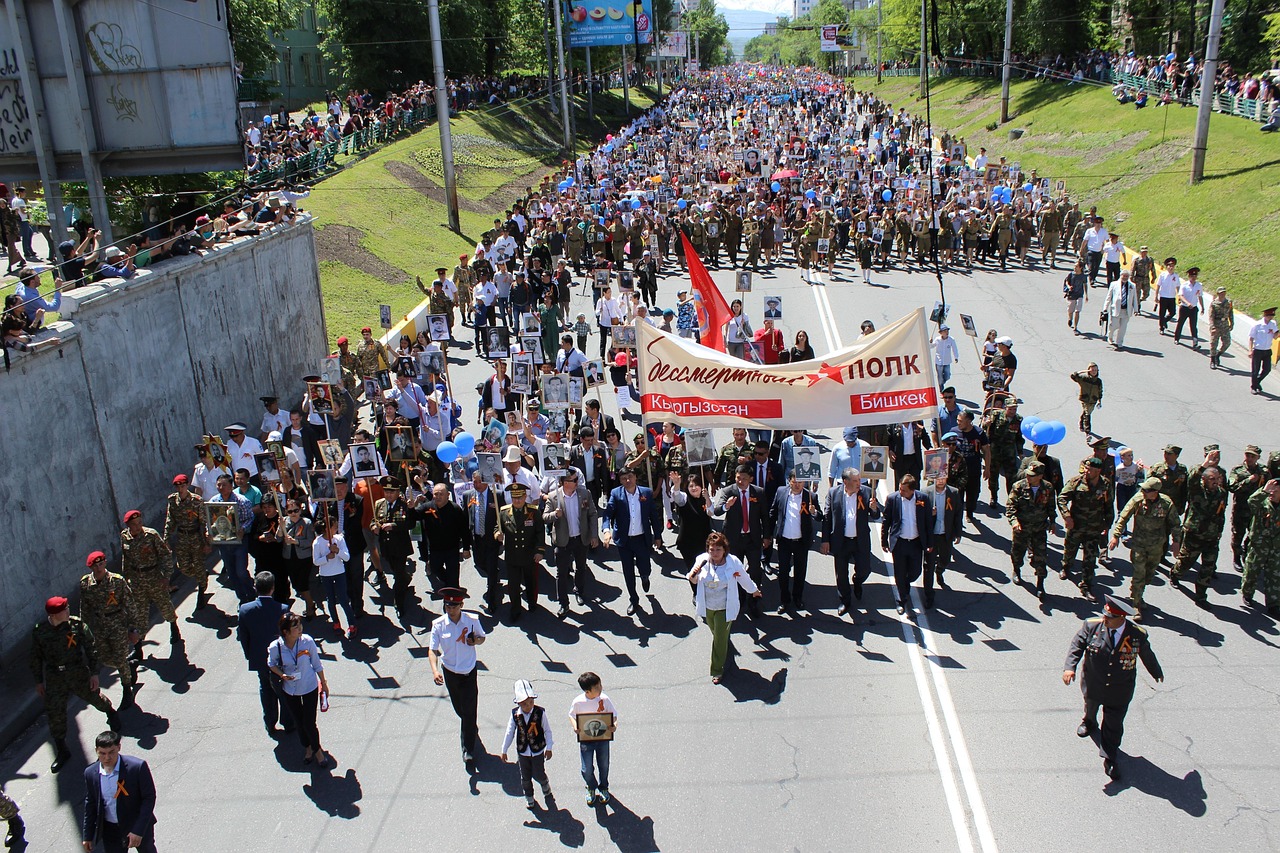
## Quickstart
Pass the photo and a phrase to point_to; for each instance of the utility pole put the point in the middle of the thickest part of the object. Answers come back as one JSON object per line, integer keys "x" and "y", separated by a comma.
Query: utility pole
{"x": 1199, "y": 148}
{"x": 879, "y": 26}
{"x": 924, "y": 55}
{"x": 564, "y": 79}
{"x": 591, "y": 89}
{"x": 1008, "y": 58}
{"x": 442, "y": 117}
{"x": 626, "y": 83}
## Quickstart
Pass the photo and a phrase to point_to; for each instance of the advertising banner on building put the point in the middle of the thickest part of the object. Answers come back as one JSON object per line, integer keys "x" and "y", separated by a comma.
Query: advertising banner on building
{"x": 597, "y": 23}
{"x": 674, "y": 45}
{"x": 835, "y": 37}
{"x": 885, "y": 377}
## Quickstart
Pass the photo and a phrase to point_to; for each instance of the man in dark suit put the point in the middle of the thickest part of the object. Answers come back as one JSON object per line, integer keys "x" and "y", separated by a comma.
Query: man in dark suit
{"x": 1109, "y": 647}
{"x": 572, "y": 518}
{"x": 257, "y": 628}
{"x": 743, "y": 508}
{"x": 350, "y": 509}
{"x": 447, "y": 534}
{"x": 592, "y": 417}
{"x": 627, "y": 515}
{"x": 481, "y": 505}
{"x": 946, "y": 528}
{"x": 589, "y": 457}
{"x": 794, "y": 519}
{"x": 119, "y": 800}
{"x": 767, "y": 474}
{"x": 846, "y": 533}
{"x": 907, "y": 443}
{"x": 906, "y": 534}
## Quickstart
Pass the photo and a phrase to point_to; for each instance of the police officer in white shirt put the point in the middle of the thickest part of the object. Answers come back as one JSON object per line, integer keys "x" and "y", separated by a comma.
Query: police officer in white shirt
{"x": 452, "y": 655}
{"x": 1261, "y": 338}
{"x": 1167, "y": 287}
{"x": 1190, "y": 304}
{"x": 1095, "y": 240}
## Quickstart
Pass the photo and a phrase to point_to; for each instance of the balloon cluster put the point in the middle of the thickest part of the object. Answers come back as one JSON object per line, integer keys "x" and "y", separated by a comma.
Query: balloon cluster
{"x": 1043, "y": 432}
{"x": 1001, "y": 195}
{"x": 463, "y": 444}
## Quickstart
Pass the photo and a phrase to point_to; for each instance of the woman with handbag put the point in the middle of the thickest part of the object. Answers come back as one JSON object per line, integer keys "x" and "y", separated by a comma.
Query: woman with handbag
{"x": 717, "y": 575}
{"x": 294, "y": 659}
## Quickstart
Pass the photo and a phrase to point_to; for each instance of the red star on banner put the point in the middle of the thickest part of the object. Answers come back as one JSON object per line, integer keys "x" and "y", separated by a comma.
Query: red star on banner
{"x": 827, "y": 370}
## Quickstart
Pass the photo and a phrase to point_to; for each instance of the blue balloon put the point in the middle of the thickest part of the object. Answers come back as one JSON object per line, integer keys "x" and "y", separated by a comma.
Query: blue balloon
{"x": 636, "y": 204}
{"x": 681, "y": 204}
{"x": 1042, "y": 432}
{"x": 569, "y": 180}
{"x": 1171, "y": 57}
{"x": 602, "y": 220}
{"x": 1059, "y": 432}
{"x": 1026, "y": 188}
{"x": 447, "y": 452}
{"x": 875, "y": 135}
{"x": 465, "y": 442}
{"x": 775, "y": 186}
{"x": 887, "y": 195}
{"x": 1027, "y": 424}
{"x": 810, "y": 194}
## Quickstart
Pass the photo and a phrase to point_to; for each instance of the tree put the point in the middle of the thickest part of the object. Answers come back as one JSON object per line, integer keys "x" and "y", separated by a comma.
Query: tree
{"x": 381, "y": 46}
{"x": 252, "y": 24}
{"x": 710, "y": 31}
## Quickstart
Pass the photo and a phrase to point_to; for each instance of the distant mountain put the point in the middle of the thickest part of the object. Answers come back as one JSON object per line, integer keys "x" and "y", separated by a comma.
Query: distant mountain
{"x": 744, "y": 25}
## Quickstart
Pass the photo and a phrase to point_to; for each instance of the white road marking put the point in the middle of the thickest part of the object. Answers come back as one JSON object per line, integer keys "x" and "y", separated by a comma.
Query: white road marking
{"x": 918, "y": 649}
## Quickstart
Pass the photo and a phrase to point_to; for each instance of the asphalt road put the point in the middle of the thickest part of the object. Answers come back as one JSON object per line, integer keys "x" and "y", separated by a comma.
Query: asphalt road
{"x": 954, "y": 732}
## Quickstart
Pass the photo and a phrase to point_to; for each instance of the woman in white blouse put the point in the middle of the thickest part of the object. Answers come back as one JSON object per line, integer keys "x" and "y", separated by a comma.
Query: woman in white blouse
{"x": 717, "y": 575}
{"x": 737, "y": 331}
{"x": 608, "y": 312}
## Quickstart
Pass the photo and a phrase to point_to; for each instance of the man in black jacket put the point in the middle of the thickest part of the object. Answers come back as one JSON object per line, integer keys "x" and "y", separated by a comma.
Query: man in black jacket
{"x": 1110, "y": 647}
{"x": 446, "y": 531}
{"x": 257, "y": 627}
{"x": 480, "y": 503}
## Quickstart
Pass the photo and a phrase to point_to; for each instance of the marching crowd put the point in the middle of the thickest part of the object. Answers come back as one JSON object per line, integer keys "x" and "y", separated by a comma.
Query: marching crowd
{"x": 383, "y": 463}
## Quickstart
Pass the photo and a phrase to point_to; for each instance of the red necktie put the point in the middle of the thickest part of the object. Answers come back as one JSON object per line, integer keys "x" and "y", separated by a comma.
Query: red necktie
{"x": 746, "y": 518}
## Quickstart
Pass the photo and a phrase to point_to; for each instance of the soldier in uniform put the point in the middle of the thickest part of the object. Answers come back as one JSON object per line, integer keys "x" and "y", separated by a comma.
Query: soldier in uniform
{"x": 732, "y": 235}
{"x": 521, "y": 534}
{"x": 575, "y": 241}
{"x": 1172, "y": 475}
{"x": 393, "y": 518}
{"x": 751, "y": 230}
{"x": 372, "y": 354}
{"x": 15, "y": 838}
{"x": 1052, "y": 467}
{"x": 1101, "y": 452}
{"x": 1031, "y": 510}
{"x": 1005, "y": 431}
{"x": 1263, "y": 560}
{"x": 107, "y": 606}
{"x": 1085, "y": 505}
{"x": 64, "y": 660}
{"x": 1202, "y": 532}
{"x": 1050, "y": 234}
{"x": 184, "y": 527}
{"x": 1155, "y": 519}
{"x": 1143, "y": 273}
{"x": 1090, "y": 394}
{"x": 1222, "y": 319}
{"x": 145, "y": 568}
{"x": 350, "y": 368}
{"x": 464, "y": 279}
{"x": 1212, "y": 459}
{"x": 619, "y": 233}
{"x": 1245, "y": 479}
{"x": 452, "y": 655}
{"x": 715, "y": 228}
{"x": 1110, "y": 648}
{"x": 438, "y": 302}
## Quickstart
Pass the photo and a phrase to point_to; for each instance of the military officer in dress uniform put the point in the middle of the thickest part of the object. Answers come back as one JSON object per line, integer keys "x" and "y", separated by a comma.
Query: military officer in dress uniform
{"x": 1110, "y": 647}
{"x": 520, "y": 531}
{"x": 65, "y": 661}
{"x": 452, "y": 655}
{"x": 184, "y": 526}
{"x": 107, "y": 606}
{"x": 393, "y": 518}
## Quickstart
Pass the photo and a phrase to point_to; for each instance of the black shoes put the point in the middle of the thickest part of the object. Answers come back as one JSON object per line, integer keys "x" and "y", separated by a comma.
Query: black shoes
{"x": 843, "y": 611}
{"x": 1111, "y": 768}
{"x": 1084, "y": 728}
{"x": 644, "y": 584}
{"x": 62, "y": 756}
{"x": 631, "y": 609}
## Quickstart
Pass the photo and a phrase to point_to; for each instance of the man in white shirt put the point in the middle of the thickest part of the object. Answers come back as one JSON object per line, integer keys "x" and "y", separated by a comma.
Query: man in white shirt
{"x": 945, "y": 354}
{"x": 1190, "y": 304}
{"x": 241, "y": 449}
{"x": 1261, "y": 338}
{"x": 1167, "y": 287}
{"x": 1113, "y": 254}
{"x": 1095, "y": 240}
{"x": 452, "y": 655}
{"x": 1122, "y": 305}
{"x": 409, "y": 399}
{"x": 273, "y": 419}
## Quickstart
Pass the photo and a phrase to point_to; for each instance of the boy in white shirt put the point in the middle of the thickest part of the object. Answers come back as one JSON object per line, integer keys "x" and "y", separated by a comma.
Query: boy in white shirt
{"x": 529, "y": 728}
{"x": 595, "y": 753}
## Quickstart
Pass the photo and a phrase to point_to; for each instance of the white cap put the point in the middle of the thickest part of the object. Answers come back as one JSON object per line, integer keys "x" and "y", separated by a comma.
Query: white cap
{"x": 1006, "y": 341}
{"x": 274, "y": 435}
{"x": 512, "y": 454}
{"x": 523, "y": 691}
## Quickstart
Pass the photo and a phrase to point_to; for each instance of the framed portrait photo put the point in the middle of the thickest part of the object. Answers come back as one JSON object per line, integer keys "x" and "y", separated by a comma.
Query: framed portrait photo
{"x": 372, "y": 391}
{"x": 529, "y": 325}
{"x": 490, "y": 467}
{"x": 624, "y": 337}
{"x": 268, "y": 466}
{"x": 594, "y": 727}
{"x": 276, "y": 449}
{"x": 555, "y": 391}
{"x": 433, "y": 362}
{"x": 320, "y": 484}
{"x": 321, "y": 397}
{"x": 532, "y": 344}
{"x": 399, "y": 443}
{"x": 558, "y": 420}
{"x": 553, "y": 458}
{"x": 626, "y": 280}
{"x": 742, "y": 281}
{"x": 495, "y": 433}
{"x": 331, "y": 453}
{"x": 699, "y": 447}
{"x": 875, "y": 461}
{"x": 594, "y": 373}
{"x": 364, "y": 460}
{"x": 773, "y": 307}
{"x": 522, "y": 376}
{"x": 602, "y": 277}
{"x": 497, "y": 341}
{"x": 514, "y": 423}
{"x": 966, "y": 322}
{"x": 330, "y": 370}
{"x": 407, "y": 365}
{"x": 438, "y": 327}
{"x": 806, "y": 462}
{"x": 935, "y": 463}
{"x": 222, "y": 522}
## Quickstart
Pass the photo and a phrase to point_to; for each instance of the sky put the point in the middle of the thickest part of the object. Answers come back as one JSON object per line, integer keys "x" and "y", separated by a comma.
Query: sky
{"x": 773, "y": 7}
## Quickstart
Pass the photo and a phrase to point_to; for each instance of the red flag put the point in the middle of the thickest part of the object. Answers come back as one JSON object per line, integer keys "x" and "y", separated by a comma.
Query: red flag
{"x": 713, "y": 312}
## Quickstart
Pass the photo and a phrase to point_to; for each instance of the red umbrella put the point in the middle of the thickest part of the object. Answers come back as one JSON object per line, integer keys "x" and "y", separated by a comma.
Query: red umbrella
{"x": 784, "y": 173}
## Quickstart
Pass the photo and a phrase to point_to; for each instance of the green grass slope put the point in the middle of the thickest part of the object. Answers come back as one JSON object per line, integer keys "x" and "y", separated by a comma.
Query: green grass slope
{"x": 1135, "y": 165}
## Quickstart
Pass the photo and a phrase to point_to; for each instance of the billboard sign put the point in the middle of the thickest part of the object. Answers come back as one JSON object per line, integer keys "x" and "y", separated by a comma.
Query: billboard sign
{"x": 674, "y": 44}
{"x": 158, "y": 81}
{"x": 836, "y": 37}
{"x": 599, "y": 23}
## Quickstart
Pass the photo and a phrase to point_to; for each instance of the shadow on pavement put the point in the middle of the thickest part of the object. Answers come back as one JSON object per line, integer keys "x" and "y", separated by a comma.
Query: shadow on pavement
{"x": 1186, "y": 794}
{"x": 628, "y": 832}
{"x": 561, "y": 821}
{"x": 336, "y": 796}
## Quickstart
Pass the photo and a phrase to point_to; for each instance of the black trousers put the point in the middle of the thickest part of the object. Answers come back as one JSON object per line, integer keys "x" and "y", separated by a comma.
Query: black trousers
{"x": 303, "y": 710}
{"x": 571, "y": 570}
{"x": 1095, "y": 260}
{"x": 115, "y": 839}
{"x": 843, "y": 561}
{"x": 912, "y": 463}
{"x": 792, "y": 554}
{"x": 274, "y": 709}
{"x": 354, "y": 570}
{"x": 401, "y": 572}
{"x": 1259, "y": 368}
{"x": 1185, "y": 314}
{"x": 484, "y": 554}
{"x": 533, "y": 767}
{"x": 522, "y": 576}
{"x": 939, "y": 558}
{"x": 464, "y": 693}
{"x": 634, "y": 553}
{"x": 1112, "y": 726}
{"x": 972, "y": 488}
{"x": 749, "y": 549}
{"x": 446, "y": 565}
{"x": 908, "y": 562}
{"x": 1168, "y": 307}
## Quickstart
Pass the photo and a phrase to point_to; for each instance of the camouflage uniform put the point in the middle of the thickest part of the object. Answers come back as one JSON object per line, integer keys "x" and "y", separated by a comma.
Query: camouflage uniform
{"x": 1089, "y": 508}
{"x": 438, "y": 302}
{"x": 372, "y": 357}
{"x": 1243, "y": 483}
{"x": 1090, "y": 397}
{"x": 63, "y": 659}
{"x": 1052, "y": 470}
{"x": 1153, "y": 524}
{"x": 184, "y": 526}
{"x": 1201, "y": 533}
{"x": 350, "y": 372}
{"x": 17, "y": 829}
{"x": 1263, "y": 560}
{"x": 751, "y": 231}
{"x": 1222, "y": 319}
{"x": 1173, "y": 479}
{"x": 1006, "y": 451}
{"x": 144, "y": 568}
{"x": 1050, "y": 234}
{"x": 108, "y": 608}
{"x": 1035, "y": 513}
{"x": 464, "y": 279}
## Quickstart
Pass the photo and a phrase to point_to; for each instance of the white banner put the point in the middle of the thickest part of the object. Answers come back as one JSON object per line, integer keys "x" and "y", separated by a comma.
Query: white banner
{"x": 674, "y": 44}
{"x": 886, "y": 377}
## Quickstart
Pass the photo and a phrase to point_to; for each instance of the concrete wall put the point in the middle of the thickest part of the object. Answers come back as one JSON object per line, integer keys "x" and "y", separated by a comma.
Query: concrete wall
{"x": 101, "y": 424}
